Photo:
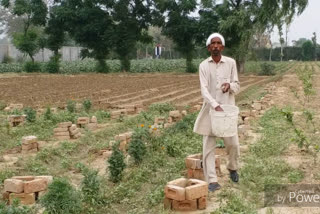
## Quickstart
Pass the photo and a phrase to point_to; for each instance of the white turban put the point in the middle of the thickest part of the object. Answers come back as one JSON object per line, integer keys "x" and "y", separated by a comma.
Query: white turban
{"x": 213, "y": 36}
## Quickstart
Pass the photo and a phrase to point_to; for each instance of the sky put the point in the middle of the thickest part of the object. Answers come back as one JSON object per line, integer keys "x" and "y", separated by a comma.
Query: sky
{"x": 304, "y": 25}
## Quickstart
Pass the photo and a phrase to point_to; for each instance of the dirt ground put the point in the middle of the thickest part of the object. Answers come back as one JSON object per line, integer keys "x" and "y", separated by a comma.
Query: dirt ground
{"x": 106, "y": 91}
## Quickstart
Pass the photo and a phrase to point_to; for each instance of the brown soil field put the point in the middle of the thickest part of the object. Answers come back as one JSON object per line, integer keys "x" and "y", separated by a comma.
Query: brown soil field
{"x": 106, "y": 91}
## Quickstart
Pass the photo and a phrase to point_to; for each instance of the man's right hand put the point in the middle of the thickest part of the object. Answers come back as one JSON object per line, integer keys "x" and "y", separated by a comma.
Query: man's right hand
{"x": 218, "y": 108}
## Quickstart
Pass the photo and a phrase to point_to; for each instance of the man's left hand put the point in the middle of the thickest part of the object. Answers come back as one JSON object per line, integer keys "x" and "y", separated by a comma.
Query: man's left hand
{"x": 225, "y": 87}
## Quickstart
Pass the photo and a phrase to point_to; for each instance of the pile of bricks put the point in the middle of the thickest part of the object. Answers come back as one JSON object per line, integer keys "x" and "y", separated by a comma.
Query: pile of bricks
{"x": 74, "y": 131}
{"x": 12, "y": 107}
{"x": 28, "y": 189}
{"x": 29, "y": 144}
{"x": 118, "y": 113}
{"x": 93, "y": 123}
{"x": 186, "y": 195}
{"x": 82, "y": 122}
{"x": 16, "y": 120}
{"x": 62, "y": 132}
{"x": 124, "y": 140}
{"x": 194, "y": 166}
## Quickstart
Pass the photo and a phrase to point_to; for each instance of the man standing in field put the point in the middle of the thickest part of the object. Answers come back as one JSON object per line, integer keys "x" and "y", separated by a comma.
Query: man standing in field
{"x": 219, "y": 83}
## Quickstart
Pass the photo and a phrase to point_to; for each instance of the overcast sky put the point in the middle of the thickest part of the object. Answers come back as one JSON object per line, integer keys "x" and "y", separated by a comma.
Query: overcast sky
{"x": 304, "y": 25}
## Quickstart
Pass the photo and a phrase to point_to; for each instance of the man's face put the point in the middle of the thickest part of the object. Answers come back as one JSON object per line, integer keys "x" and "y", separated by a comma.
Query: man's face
{"x": 215, "y": 47}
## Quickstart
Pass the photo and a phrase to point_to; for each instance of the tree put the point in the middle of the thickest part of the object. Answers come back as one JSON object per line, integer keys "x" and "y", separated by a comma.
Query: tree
{"x": 180, "y": 26}
{"x": 131, "y": 20}
{"x": 307, "y": 50}
{"x": 239, "y": 20}
{"x": 314, "y": 41}
{"x": 34, "y": 14}
{"x": 299, "y": 42}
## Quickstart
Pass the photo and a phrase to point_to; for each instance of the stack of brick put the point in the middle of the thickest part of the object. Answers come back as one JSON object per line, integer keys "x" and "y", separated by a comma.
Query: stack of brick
{"x": 12, "y": 107}
{"x": 62, "y": 132}
{"x": 82, "y": 122}
{"x": 74, "y": 131}
{"x": 29, "y": 144}
{"x": 27, "y": 189}
{"x": 16, "y": 120}
{"x": 186, "y": 195}
{"x": 93, "y": 123}
{"x": 118, "y": 113}
{"x": 194, "y": 166}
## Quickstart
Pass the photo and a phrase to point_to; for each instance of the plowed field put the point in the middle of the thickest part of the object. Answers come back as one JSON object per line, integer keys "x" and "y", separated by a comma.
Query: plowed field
{"x": 105, "y": 90}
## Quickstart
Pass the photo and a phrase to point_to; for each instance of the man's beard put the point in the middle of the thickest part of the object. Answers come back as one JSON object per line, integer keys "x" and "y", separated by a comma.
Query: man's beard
{"x": 215, "y": 52}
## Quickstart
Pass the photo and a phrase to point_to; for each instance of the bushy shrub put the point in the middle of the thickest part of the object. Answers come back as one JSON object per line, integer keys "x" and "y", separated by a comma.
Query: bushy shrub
{"x": 116, "y": 164}
{"x": 137, "y": 147}
{"x": 53, "y": 66}
{"x": 71, "y": 106}
{"x": 267, "y": 69}
{"x": 61, "y": 198}
{"x": 90, "y": 185}
{"x": 161, "y": 107}
{"x": 48, "y": 114}
{"x": 31, "y": 114}
{"x": 30, "y": 67}
{"x": 7, "y": 59}
{"x": 87, "y": 105}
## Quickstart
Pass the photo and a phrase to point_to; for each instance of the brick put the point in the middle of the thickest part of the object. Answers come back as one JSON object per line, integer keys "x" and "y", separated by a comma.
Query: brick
{"x": 123, "y": 145}
{"x": 184, "y": 113}
{"x": 35, "y": 185}
{"x": 83, "y": 120}
{"x": 27, "y": 147}
{"x": 24, "y": 178}
{"x": 175, "y": 114}
{"x": 257, "y": 106}
{"x": 64, "y": 124}
{"x": 196, "y": 189}
{"x": 62, "y": 137}
{"x": 29, "y": 139}
{"x": 246, "y": 120}
{"x": 128, "y": 135}
{"x": 190, "y": 173}
{"x": 194, "y": 161}
{"x": 34, "y": 150}
{"x": 93, "y": 119}
{"x": 61, "y": 133}
{"x": 25, "y": 198}
{"x": 65, "y": 129}
{"x": 159, "y": 120}
{"x": 170, "y": 120}
{"x": 72, "y": 127}
{"x": 176, "y": 189}
{"x": 76, "y": 136}
{"x": 185, "y": 205}
{"x": 120, "y": 137}
{"x": 40, "y": 194}
{"x": 47, "y": 178}
{"x": 198, "y": 174}
{"x": 107, "y": 154}
{"x": 74, "y": 132}
{"x": 13, "y": 185}
{"x": 167, "y": 203}
{"x": 5, "y": 196}
{"x": 202, "y": 203}
{"x": 245, "y": 113}
{"x": 92, "y": 126}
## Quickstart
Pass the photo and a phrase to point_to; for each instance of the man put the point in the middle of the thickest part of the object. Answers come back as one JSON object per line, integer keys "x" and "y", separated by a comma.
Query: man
{"x": 219, "y": 83}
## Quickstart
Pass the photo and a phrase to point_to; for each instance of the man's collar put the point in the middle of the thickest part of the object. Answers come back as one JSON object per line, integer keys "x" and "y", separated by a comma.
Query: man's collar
{"x": 223, "y": 59}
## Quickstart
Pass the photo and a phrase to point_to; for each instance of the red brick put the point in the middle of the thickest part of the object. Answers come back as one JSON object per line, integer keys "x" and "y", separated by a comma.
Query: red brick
{"x": 65, "y": 129}
{"x": 120, "y": 137}
{"x": 193, "y": 161}
{"x": 74, "y": 132}
{"x": 83, "y": 120}
{"x": 167, "y": 203}
{"x": 47, "y": 178}
{"x": 24, "y": 178}
{"x": 196, "y": 189}
{"x": 123, "y": 145}
{"x": 61, "y": 133}
{"x": 13, "y": 185}
{"x": 190, "y": 173}
{"x": 36, "y": 185}
{"x": 198, "y": 174}
{"x": 64, "y": 124}
{"x": 176, "y": 189}
{"x": 72, "y": 127}
{"x": 202, "y": 203}
{"x": 185, "y": 205}
{"x": 25, "y": 198}
{"x": 29, "y": 139}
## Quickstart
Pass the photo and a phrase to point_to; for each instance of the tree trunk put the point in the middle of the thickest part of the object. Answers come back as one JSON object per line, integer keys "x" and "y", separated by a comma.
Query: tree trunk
{"x": 240, "y": 66}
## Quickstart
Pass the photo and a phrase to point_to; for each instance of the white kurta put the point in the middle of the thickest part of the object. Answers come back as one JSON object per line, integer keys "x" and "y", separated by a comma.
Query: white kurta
{"x": 212, "y": 76}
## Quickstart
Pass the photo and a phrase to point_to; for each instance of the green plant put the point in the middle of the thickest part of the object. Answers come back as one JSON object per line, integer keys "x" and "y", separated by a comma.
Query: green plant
{"x": 2, "y": 105}
{"x": 137, "y": 147}
{"x": 116, "y": 164}
{"x": 53, "y": 66}
{"x": 61, "y": 198}
{"x": 287, "y": 112}
{"x": 87, "y": 105}
{"x": 90, "y": 186}
{"x": 48, "y": 114}
{"x": 267, "y": 69}
{"x": 7, "y": 59}
{"x": 161, "y": 107}
{"x": 30, "y": 67}
{"x": 31, "y": 114}
{"x": 71, "y": 106}
{"x": 309, "y": 118}
{"x": 14, "y": 208}
{"x": 295, "y": 176}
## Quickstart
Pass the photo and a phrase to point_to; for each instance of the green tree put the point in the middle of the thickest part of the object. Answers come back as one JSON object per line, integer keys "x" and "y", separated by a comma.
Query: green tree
{"x": 34, "y": 14}
{"x": 131, "y": 21}
{"x": 299, "y": 42}
{"x": 307, "y": 51}
{"x": 314, "y": 41}
{"x": 180, "y": 26}
{"x": 240, "y": 19}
